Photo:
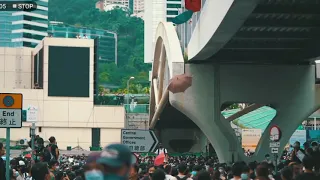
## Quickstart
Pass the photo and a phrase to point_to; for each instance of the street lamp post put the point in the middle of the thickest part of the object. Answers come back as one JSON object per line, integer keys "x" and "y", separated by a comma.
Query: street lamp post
{"x": 128, "y": 94}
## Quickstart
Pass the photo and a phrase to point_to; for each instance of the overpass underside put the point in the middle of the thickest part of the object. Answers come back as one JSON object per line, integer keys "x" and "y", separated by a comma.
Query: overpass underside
{"x": 264, "y": 32}
{"x": 178, "y": 133}
{"x": 262, "y": 53}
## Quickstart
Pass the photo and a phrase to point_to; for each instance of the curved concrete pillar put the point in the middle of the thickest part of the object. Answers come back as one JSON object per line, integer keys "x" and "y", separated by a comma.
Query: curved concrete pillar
{"x": 288, "y": 89}
{"x": 201, "y": 104}
{"x": 168, "y": 62}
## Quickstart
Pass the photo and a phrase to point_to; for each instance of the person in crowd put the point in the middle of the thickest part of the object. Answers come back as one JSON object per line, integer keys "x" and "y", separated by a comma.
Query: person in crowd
{"x": 158, "y": 174}
{"x": 2, "y": 163}
{"x": 53, "y": 167}
{"x": 21, "y": 170}
{"x": 151, "y": 170}
{"x": 182, "y": 172}
{"x": 195, "y": 170}
{"x": 40, "y": 171}
{"x": 168, "y": 171}
{"x": 308, "y": 174}
{"x": 134, "y": 172}
{"x": 296, "y": 168}
{"x": 316, "y": 155}
{"x": 161, "y": 150}
{"x": 53, "y": 149}
{"x": 297, "y": 153}
{"x": 262, "y": 172}
{"x": 216, "y": 175}
{"x": 287, "y": 173}
{"x": 237, "y": 171}
{"x": 203, "y": 175}
{"x": 252, "y": 166}
{"x": 116, "y": 160}
{"x": 92, "y": 170}
{"x": 245, "y": 175}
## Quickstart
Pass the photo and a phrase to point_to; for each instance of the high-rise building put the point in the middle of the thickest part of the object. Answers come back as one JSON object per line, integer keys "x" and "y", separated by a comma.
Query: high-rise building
{"x": 173, "y": 8}
{"x": 156, "y": 11}
{"x": 136, "y": 6}
{"x": 22, "y": 28}
{"x": 119, "y": 2}
{"x": 106, "y": 41}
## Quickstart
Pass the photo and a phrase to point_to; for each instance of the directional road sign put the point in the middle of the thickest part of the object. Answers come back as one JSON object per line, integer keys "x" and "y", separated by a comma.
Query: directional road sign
{"x": 275, "y": 133}
{"x": 274, "y": 150}
{"x": 274, "y": 144}
{"x": 139, "y": 141}
{"x": 10, "y": 110}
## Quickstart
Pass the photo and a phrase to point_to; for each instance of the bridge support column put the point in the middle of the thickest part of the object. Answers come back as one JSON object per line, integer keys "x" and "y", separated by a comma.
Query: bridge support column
{"x": 288, "y": 89}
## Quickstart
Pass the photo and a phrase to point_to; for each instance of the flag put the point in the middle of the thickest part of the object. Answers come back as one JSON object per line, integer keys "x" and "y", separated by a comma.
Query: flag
{"x": 193, "y": 5}
{"x": 183, "y": 17}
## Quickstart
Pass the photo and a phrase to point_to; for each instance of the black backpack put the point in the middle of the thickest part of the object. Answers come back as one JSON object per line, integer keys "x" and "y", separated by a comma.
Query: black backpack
{"x": 184, "y": 178}
{"x": 47, "y": 155}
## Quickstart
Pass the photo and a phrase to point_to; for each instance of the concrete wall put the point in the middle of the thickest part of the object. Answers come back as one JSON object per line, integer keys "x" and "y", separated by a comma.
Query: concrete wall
{"x": 67, "y": 118}
{"x": 15, "y": 68}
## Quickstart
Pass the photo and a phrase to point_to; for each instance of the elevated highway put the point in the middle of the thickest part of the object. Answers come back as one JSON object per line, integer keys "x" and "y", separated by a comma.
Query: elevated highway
{"x": 256, "y": 51}
{"x": 257, "y": 31}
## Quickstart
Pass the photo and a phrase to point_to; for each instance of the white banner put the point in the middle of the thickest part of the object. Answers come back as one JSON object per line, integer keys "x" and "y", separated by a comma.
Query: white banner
{"x": 250, "y": 138}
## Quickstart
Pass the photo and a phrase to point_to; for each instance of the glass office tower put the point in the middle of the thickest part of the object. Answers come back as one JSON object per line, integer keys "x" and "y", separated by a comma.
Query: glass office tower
{"x": 22, "y": 28}
{"x": 106, "y": 41}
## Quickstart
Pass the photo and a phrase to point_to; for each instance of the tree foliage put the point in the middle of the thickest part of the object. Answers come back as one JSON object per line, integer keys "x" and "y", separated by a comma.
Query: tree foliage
{"x": 130, "y": 31}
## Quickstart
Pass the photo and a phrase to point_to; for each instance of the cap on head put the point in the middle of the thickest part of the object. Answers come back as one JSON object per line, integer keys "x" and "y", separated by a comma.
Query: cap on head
{"x": 115, "y": 155}
{"x": 93, "y": 157}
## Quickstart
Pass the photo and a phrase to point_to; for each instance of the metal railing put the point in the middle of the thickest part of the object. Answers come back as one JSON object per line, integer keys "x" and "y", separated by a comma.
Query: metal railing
{"x": 120, "y": 100}
{"x": 136, "y": 108}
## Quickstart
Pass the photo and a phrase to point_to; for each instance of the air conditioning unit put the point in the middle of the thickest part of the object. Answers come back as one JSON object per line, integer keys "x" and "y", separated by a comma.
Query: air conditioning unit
{"x": 23, "y": 142}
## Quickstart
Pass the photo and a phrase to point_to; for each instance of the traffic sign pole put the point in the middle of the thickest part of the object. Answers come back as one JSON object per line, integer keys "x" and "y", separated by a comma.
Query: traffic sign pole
{"x": 10, "y": 117}
{"x": 7, "y": 154}
{"x": 33, "y": 128}
{"x": 275, "y": 136}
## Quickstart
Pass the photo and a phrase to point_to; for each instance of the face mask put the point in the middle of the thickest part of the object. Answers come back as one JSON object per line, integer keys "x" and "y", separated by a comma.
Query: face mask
{"x": 17, "y": 174}
{"x": 244, "y": 176}
{"x": 57, "y": 167}
{"x": 194, "y": 173}
{"x": 93, "y": 175}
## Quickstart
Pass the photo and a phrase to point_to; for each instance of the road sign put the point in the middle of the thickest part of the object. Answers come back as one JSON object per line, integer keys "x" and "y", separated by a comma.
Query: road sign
{"x": 274, "y": 144}
{"x": 275, "y": 133}
{"x": 274, "y": 150}
{"x": 10, "y": 110}
{"x": 32, "y": 114}
{"x": 139, "y": 141}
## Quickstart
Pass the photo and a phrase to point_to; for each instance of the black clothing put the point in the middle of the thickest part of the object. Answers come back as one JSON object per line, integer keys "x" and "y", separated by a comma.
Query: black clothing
{"x": 2, "y": 169}
{"x": 53, "y": 148}
{"x": 307, "y": 176}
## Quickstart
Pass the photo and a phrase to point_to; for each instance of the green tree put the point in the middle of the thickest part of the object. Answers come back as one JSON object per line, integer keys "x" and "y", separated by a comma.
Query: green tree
{"x": 130, "y": 32}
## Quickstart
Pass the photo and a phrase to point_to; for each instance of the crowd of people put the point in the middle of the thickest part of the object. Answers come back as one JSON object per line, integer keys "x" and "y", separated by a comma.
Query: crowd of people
{"x": 117, "y": 162}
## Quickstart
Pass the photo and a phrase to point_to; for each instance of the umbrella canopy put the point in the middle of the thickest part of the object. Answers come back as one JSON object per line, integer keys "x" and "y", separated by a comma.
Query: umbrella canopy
{"x": 160, "y": 159}
{"x": 180, "y": 83}
{"x": 183, "y": 17}
{"x": 27, "y": 156}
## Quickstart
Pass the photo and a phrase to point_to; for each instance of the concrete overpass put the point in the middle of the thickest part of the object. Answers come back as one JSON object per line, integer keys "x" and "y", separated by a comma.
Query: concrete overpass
{"x": 240, "y": 51}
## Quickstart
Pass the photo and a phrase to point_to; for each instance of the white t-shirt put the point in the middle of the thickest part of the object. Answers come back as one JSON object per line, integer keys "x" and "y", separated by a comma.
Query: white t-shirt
{"x": 161, "y": 150}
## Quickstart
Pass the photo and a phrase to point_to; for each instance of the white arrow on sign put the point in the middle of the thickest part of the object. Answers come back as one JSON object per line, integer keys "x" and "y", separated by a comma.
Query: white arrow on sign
{"x": 274, "y": 150}
{"x": 139, "y": 141}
